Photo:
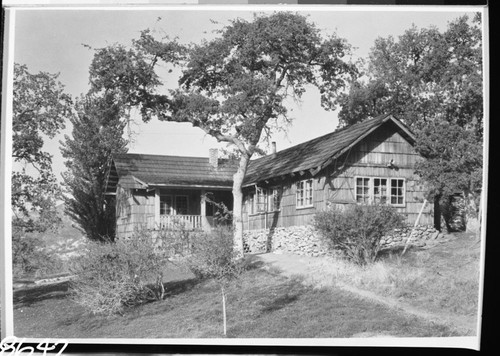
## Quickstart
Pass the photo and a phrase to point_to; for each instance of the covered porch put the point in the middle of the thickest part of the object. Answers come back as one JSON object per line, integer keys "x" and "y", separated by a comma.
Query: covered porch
{"x": 191, "y": 209}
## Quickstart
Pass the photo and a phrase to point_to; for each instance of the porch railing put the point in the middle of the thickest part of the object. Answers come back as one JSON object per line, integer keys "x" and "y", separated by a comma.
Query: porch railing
{"x": 191, "y": 222}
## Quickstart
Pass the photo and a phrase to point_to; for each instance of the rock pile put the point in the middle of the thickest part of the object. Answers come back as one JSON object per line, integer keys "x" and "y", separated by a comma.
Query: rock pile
{"x": 299, "y": 240}
{"x": 305, "y": 240}
{"x": 420, "y": 235}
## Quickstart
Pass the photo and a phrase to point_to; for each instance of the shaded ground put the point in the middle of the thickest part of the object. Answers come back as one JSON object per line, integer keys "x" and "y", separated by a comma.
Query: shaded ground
{"x": 262, "y": 304}
{"x": 273, "y": 299}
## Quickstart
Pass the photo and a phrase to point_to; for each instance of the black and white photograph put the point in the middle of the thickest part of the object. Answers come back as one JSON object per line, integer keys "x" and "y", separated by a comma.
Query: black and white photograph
{"x": 244, "y": 174}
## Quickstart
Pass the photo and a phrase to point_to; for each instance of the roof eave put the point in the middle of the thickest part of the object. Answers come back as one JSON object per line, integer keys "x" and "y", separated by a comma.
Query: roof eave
{"x": 199, "y": 186}
{"x": 315, "y": 169}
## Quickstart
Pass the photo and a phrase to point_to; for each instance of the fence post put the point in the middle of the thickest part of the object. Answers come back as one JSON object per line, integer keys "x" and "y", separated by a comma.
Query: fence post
{"x": 414, "y": 226}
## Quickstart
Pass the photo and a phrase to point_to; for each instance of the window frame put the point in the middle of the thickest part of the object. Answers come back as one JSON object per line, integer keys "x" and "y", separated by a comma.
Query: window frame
{"x": 387, "y": 186}
{"x": 187, "y": 204}
{"x": 266, "y": 203}
{"x": 173, "y": 203}
{"x": 369, "y": 186}
{"x": 301, "y": 186}
{"x": 388, "y": 194}
{"x": 403, "y": 195}
{"x": 260, "y": 201}
{"x": 171, "y": 206}
{"x": 274, "y": 196}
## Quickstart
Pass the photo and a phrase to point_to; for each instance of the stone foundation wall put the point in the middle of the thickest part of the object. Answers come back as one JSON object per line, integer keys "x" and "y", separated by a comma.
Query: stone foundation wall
{"x": 420, "y": 235}
{"x": 300, "y": 240}
{"x": 305, "y": 240}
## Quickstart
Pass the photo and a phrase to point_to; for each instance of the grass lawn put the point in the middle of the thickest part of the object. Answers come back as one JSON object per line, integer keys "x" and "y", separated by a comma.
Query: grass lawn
{"x": 443, "y": 278}
{"x": 261, "y": 304}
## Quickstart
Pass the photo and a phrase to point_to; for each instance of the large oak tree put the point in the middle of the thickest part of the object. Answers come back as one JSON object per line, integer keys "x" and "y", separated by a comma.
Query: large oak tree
{"x": 432, "y": 81}
{"x": 40, "y": 107}
{"x": 233, "y": 87}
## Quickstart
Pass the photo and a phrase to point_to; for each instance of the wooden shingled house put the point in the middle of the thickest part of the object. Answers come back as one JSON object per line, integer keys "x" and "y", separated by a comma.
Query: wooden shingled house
{"x": 158, "y": 192}
{"x": 369, "y": 162}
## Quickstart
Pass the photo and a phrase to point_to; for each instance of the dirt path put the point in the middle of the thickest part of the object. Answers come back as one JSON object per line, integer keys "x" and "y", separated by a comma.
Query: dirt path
{"x": 318, "y": 272}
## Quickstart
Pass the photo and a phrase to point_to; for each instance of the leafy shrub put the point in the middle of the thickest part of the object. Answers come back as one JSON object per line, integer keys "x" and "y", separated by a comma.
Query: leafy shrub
{"x": 358, "y": 229}
{"x": 177, "y": 240}
{"x": 112, "y": 276}
{"x": 214, "y": 256}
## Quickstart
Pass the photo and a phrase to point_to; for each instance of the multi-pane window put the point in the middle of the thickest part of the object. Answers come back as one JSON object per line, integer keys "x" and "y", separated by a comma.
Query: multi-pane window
{"x": 304, "y": 193}
{"x": 264, "y": 200}
{"x": 380, "y": 190}
{"x": 274, "y": 199}
{"x": 362, "y": 190}
{"x": 166, "y": 206}
{"x": 173, "y": 205}
{"x": 250, "y": 204}
{"x": 397, "y": 191}
{"x": 181, "y": 204}
{"x": 260, "y": 200}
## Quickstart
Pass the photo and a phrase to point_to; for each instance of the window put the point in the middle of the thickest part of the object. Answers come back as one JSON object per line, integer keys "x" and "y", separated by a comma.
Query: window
{"x": 397, "y": 191}
{"x": 173, "y": 205}
{"x": 181, "y": 205}
{"x": 274, "y": 199}
{"x": 260, "y": 200}
{"x": 264, "y": 200}
{"x": 362, "y": 190}
{"x": 251, "y": 204}
{"x": 304, "y": 193}
{"x": 166, "y": 207}
{"x": 380, "y": 190}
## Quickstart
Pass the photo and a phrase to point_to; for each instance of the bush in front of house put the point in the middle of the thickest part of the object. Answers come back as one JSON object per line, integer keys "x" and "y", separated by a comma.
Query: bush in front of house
{"x": 213, "y": 255}
{"x": 357, "y": 230}
{"x": 112, "y": 276}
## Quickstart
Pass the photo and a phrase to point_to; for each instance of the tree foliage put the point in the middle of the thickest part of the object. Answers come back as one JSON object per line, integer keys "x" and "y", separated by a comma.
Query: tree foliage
{"x": 421, "y": 76}
{"x": 40, "y": 107}
{"x": 97, "y": 135}
{"x": 432, "y": 81}
{"x": 233, "y": 87}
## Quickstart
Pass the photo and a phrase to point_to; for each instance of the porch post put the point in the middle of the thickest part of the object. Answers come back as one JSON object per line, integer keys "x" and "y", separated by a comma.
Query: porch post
{"x": 203, "y": 211}
{"x": 157, "y": 209}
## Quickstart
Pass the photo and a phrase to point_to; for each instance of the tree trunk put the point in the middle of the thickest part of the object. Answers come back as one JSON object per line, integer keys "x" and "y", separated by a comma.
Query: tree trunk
{"x": 473, "y": 222}
{"x": 224, "y": 309}
{"x": 238, "y": 204}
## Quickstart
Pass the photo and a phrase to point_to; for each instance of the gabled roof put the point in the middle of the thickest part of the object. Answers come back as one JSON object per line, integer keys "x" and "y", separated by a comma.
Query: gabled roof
{"x": 319, "y": 152}
{"x": 147, "y": 171}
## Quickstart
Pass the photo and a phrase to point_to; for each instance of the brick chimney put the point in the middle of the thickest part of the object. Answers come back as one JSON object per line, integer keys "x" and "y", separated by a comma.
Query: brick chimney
{"x": 213, "y": 157}
{"x": 273, "y": 148}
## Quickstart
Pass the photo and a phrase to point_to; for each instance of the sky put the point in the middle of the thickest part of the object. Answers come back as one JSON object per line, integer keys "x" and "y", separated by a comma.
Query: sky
{"x": 53, "y": 41}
